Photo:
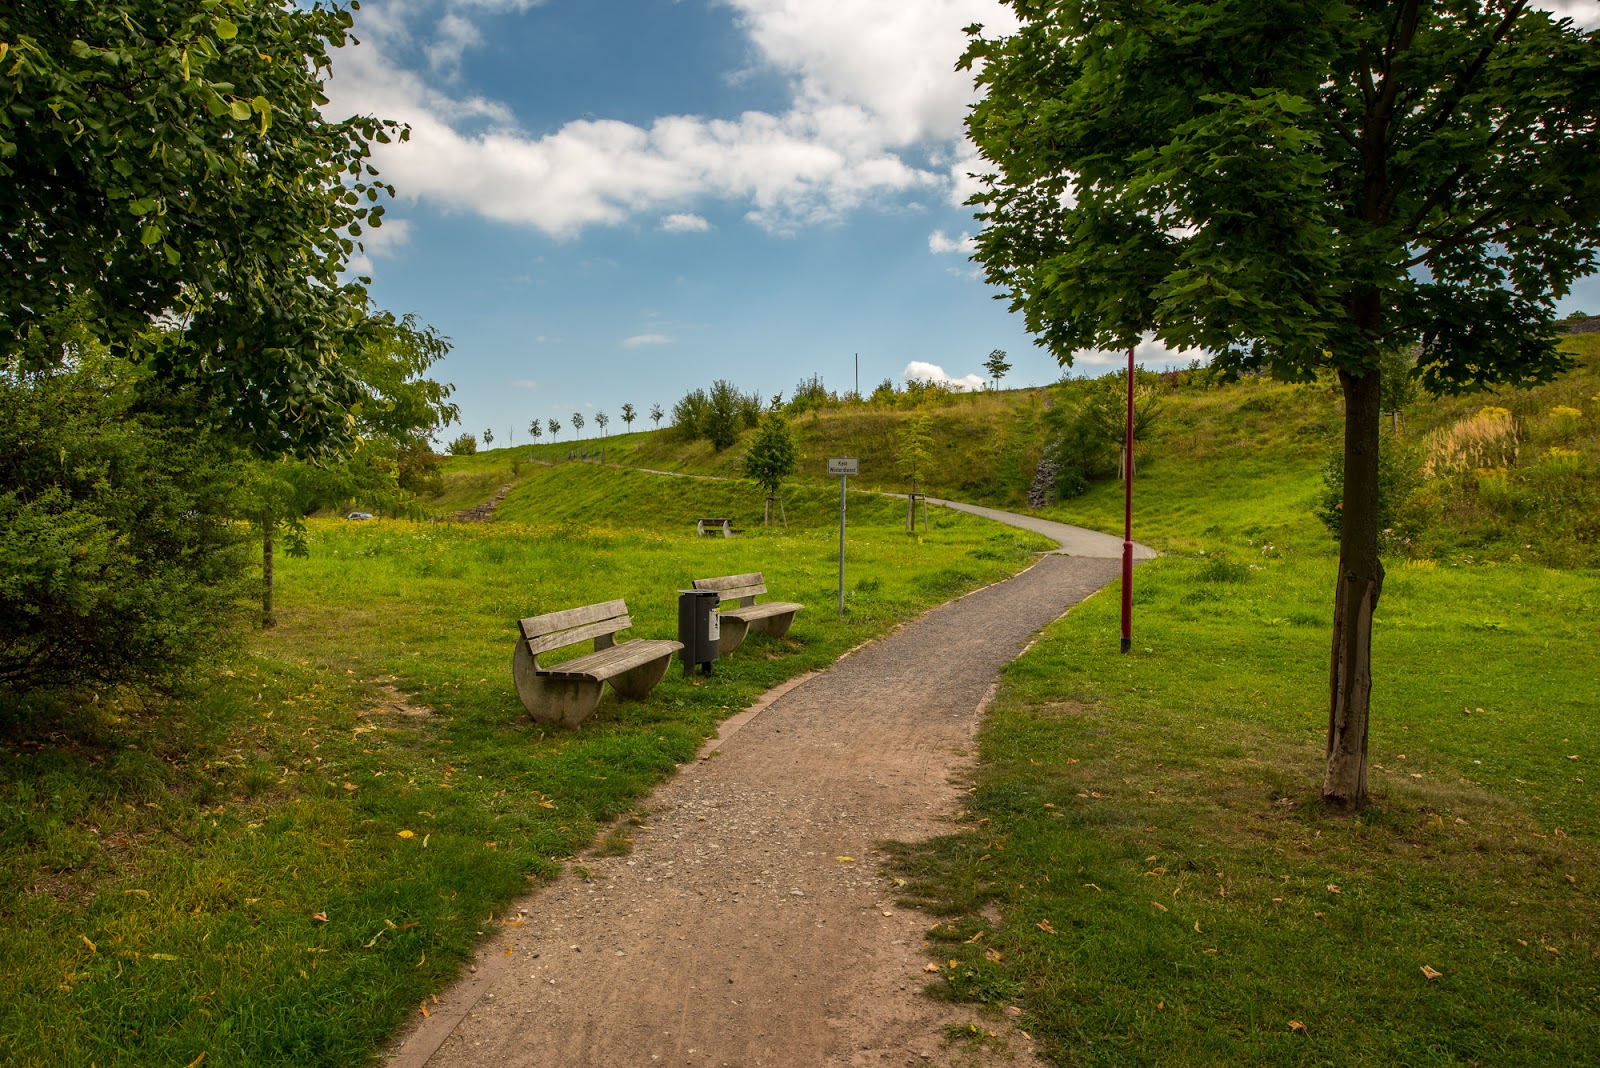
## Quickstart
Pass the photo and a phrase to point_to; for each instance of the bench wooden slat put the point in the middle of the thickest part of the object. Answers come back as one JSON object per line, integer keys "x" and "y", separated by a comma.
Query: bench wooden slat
{"x": 728, "y": 581}
{"x": 577, "y": 634}
{"x": 762, "y": 611}
{"x": 602, "y": 665}
{"x": 537, "y": 626}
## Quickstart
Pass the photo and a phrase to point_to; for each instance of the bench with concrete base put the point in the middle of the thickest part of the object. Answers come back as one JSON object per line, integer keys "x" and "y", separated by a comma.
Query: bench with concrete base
{"x": 564, "y": 694}
{"x": 772, "y": 618}
{"x": 722, "y": 526}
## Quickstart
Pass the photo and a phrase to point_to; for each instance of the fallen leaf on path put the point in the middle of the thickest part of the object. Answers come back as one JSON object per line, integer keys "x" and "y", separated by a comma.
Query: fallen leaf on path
{"x": 1095, "y": 888}
{"x": 992, "y": 954}
{"x": 421, "y": 962}
{"x": 319, "y": 917}
{"x": 1160, "y": 906}
{"x": 1044, "y": 925}
{"x": 930, "y": 967}
{"x": 1297, "y": 1027}
{"x": 1431, "y": 973}
{"x": 197, "y": 1060}
{"x": 423, "y": 1008}
{"x": 845, "y": 860}
{"x": 1334, "y": 889}
{"x": 405, "y": 834}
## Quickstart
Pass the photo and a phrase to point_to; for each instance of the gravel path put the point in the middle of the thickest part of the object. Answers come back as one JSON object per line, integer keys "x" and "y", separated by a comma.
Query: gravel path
{"x": 752, "y": 925}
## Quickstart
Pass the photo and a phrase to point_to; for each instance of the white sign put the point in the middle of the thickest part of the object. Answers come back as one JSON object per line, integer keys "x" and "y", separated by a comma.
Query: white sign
{"x": 843, "y": 465}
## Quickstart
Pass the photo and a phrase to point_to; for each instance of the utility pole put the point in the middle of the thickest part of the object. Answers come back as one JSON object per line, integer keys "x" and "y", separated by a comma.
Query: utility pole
{"x": 1127, "y": 520}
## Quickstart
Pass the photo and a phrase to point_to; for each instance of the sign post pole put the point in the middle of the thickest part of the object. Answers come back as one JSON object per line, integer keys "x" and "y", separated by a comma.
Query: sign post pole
{"x": 842, "y": 467}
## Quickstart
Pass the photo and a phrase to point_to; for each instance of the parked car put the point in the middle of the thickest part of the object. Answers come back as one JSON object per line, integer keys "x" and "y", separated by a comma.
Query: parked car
{"x": 359, "y": 515}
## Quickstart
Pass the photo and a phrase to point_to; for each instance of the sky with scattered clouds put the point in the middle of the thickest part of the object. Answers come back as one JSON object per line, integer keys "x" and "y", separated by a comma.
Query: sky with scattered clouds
{"x": 610, "y": 201}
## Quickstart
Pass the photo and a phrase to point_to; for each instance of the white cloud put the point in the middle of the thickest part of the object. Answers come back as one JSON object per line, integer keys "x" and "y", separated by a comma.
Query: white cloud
{"x": 1149, "y": 353}
{"x": 939, "y": 243}
{"x": 647, "y": 339}
{"x": 684, "y": 223}
{"x": 932, "y": 372}
{"x": 387, "y": 239}
{"x": 873, "y": 93}
{"x": 525, "y": 383}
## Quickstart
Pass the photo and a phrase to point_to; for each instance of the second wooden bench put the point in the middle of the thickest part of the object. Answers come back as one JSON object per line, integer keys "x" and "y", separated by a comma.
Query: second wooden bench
{"x": 771, "y": 618}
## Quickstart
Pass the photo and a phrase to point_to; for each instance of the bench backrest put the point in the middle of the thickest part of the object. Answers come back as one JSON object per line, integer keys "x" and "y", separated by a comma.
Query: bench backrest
{"x": 741, "y": 588}
{"x": 556, "y": 629}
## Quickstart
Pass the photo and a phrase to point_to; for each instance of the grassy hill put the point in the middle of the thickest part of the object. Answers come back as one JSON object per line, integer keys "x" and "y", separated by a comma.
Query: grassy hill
{"x": 1242, "y": 461}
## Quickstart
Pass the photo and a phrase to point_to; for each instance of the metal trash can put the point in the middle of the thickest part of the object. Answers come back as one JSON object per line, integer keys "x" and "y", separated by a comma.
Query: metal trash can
{"x": 699, "y": 629}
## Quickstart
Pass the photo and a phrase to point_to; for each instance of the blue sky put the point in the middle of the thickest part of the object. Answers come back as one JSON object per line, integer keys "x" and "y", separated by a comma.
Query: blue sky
{"x": 609, "y": 201}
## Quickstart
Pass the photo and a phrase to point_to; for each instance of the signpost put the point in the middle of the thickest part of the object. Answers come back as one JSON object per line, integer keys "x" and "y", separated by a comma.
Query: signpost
{"x": 842, "y": 467}
{"x": 1127, "y": 520}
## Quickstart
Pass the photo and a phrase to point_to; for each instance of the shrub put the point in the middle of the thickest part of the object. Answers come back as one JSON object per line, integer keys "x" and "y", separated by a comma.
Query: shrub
{"x": 1398, "y": 477}
{"x": 465, "y": 445}
{"x": 116, "y": 564}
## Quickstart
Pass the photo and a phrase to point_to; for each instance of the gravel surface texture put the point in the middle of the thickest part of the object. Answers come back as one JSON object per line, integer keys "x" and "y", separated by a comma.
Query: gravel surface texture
{"x": 752, "y": 925}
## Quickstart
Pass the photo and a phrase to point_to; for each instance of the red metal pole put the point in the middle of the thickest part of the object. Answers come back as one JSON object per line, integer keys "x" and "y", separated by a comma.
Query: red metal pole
{"x": 1127, "y": 521}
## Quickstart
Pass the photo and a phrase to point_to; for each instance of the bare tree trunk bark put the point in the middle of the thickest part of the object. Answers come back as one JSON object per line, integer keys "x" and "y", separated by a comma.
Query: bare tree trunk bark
{"x": 267, "y": 618}
{"x": 1359, "y": 585}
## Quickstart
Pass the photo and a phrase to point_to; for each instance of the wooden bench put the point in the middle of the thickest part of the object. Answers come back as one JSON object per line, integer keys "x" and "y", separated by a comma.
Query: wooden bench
{"x": 702, "y": 527}
{"x": 564, "y": 694}
{"x": 771, "y": 618}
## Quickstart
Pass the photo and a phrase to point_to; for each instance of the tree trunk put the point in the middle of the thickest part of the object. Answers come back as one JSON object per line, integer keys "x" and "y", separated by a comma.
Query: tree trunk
{"x": 267, "y": 618}
{"x": 1356, "y": 598}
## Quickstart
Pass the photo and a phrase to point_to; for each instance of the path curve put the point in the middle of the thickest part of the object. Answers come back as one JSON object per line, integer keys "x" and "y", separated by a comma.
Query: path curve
{"x": 752, "y": 924}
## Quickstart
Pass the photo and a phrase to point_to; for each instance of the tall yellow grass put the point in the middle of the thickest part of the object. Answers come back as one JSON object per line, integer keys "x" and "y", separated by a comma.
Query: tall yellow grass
{"x": 1487, "y": 440}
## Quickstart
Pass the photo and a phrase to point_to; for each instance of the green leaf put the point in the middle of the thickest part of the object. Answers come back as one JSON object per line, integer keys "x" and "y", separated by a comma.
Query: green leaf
{"x": 227, "y": 30}
{"x": 239, "y": 109}
{"x": 152, "y": 234}
{"x": 142, "y": 207}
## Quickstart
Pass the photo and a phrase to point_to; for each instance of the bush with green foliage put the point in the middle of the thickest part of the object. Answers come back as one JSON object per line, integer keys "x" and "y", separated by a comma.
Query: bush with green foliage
{"x": 1398, "y": 477}
{"x": 116, "y": 566}
{"x": 1087, "y": 434}
{"x": 719, "y": 415}
{"x": 465, "y": 445}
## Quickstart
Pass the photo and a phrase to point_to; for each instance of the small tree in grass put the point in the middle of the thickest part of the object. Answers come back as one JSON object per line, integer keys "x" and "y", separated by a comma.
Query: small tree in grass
{"x": 1297, "y": 194}
{"x": 602, "y": 420}
{"x": 655, "y": 415}
{"x": 488, "y": 436}
{"x": 628, "y": 416}
{"x": 464, "y": 445}
{"x": 536, "y": 429}
{"x": 555, "y": 429}
{"x": 577, "y": 424}
{"x": 771, "y": 459}
{"x": 997, "y": 366}
{"x": 913, "y": 455}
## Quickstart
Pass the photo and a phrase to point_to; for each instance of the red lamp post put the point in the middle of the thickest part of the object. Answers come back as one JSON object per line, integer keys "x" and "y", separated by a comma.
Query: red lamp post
{"x": 1127, "y": 520}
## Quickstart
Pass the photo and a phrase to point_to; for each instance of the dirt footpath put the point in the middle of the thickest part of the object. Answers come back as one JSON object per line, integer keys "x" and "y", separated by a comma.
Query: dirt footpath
{"x": 752, "y": 925}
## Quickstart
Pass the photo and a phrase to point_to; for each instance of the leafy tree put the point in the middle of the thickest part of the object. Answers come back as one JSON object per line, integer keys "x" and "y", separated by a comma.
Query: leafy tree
{"x": 577, "y": 423}
{"x": 727, "y": 413}
{"x": 536, "y": 429}
{"x": 689, "y": 415}
{"x": 170, "y": 159}
{"x": 1294, "y": 191}
{"x": 772, "y": 457}
{"x": 1397, "y": 386}
{"x": 555, "y": 428}
{"x": 603, "y": 420}
{"x": 465, "y": 445}
{"x": 488, "y": 436}
{"x": 914, "y": 450}
{"x": 655, "y": 415}
{"x": 997, "y": 366}
{"x": 628, "y": 416}
{"x": 116, "y": 564}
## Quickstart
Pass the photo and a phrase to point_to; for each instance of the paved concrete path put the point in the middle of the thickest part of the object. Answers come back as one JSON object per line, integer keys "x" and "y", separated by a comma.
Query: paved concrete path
{"x": 752, "y": 925}
{"x": 1071, "y": 540}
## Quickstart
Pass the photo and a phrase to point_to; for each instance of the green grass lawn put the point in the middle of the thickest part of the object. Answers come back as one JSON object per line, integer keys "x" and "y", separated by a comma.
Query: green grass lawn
{"x": 1144, "y": 867}
{"x": 284, "y": 867}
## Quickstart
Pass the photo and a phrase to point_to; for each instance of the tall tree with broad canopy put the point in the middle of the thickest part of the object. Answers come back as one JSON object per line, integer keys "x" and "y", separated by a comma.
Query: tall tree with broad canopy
{"x": 1297, "y": 187}
{"x": 169, "y": 160}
